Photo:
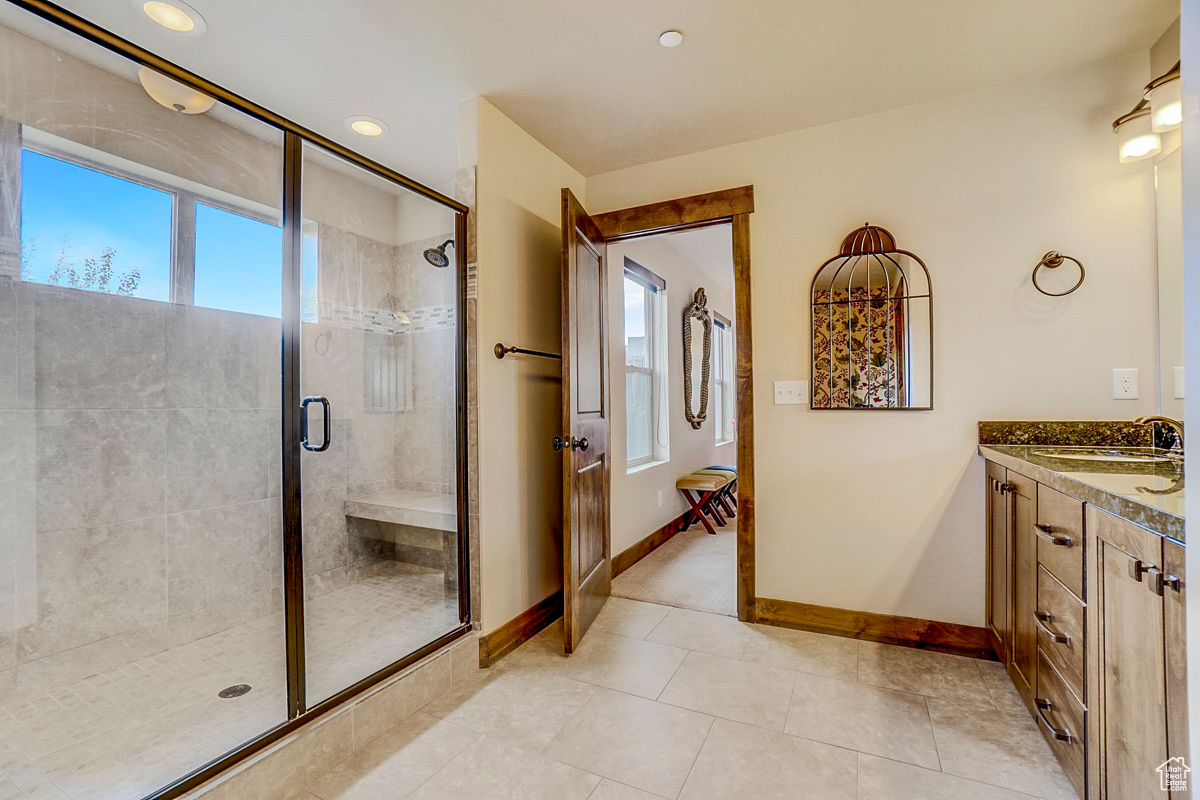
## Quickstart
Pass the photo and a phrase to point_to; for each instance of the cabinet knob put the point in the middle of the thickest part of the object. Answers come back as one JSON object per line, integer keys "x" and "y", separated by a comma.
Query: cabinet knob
{"x": 1138, "y": 568}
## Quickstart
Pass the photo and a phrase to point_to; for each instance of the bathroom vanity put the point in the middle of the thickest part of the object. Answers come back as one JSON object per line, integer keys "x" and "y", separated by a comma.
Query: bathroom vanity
{"x": 1085, "y": 606}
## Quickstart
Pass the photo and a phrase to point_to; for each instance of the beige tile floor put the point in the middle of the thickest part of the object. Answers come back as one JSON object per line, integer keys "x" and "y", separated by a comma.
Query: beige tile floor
{"x": 660, "y": 702}
{"x": 125, "y": 733}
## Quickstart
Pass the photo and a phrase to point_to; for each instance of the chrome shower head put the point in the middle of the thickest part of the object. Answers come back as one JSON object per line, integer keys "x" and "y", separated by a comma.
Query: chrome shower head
{"x": 437, "y": 255}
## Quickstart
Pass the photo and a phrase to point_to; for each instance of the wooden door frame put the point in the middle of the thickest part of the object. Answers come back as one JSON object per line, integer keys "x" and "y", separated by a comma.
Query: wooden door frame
{"x": 732, "y": 206}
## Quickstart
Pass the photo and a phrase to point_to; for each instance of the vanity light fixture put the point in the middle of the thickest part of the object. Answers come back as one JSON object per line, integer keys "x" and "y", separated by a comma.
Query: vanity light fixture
{"x": 174, "y": 15}
{"x": 670, "y": 38}
{"x": 172, "y": 94}
{"x": 1165, "y": 94}
{"x": 1135, "y": 138}
{"x": 366, "y": 126}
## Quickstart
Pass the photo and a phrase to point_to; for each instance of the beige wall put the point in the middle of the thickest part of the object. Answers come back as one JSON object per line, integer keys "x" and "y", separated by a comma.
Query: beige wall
{"x": 635, "y": 512}
{"x": 518, "y": 247}
{"x": 884, "y": 512}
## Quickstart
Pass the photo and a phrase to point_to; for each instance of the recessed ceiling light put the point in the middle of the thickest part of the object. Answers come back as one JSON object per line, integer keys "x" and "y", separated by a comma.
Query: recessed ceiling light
{"x": 670, "y": 38}
{"x": 366, "y": 126}
{"x": 174, "y": 15}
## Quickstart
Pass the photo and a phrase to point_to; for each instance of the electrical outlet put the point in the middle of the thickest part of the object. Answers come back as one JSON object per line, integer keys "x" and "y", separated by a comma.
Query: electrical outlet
{"x": 791, "y": 393}
{"x": 1179, "y": 383}
{"x": 1125, "y": 384}
{"x": 660, "y": 499}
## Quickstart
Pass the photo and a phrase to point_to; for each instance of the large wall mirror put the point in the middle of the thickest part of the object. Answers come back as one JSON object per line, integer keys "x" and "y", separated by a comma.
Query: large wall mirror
{"x": 1168, "y": 181}
{"x": 872, "y": 327}
{"x": 697, "y": 345}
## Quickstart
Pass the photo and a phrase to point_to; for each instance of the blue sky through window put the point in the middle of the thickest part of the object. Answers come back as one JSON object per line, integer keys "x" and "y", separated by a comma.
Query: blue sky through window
{"x": 75, "y": 213}
{"x": 239, "y": 263}
{"x": 72, "y": 212}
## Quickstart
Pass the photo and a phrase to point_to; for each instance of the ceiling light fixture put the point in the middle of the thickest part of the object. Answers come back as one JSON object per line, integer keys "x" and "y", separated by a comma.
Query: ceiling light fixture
{"x": 172, "y": 94}
{"x": 174, "y": 15}
{"x": 1165, "y": 94}
{"x": 366, "y": 126}
{"x": 670, "y": 38}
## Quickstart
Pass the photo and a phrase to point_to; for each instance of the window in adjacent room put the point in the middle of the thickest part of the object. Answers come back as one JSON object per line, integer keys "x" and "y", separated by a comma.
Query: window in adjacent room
{"x": 645, "y": 367}
{"x": 724, "y": 400}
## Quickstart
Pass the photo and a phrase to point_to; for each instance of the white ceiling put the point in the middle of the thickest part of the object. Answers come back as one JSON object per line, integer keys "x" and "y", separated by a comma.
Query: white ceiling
{"x": 589, "y": 79}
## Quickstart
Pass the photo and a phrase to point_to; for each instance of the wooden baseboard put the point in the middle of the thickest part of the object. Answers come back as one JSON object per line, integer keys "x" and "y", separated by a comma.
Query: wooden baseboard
{"x": 923, "y": 634}
{"x": 519, "y": 629}
{"x": 630, "y": 556}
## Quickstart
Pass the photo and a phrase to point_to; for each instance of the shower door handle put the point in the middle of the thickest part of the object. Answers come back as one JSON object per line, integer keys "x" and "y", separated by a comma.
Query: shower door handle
{"x": 307, "y": 445}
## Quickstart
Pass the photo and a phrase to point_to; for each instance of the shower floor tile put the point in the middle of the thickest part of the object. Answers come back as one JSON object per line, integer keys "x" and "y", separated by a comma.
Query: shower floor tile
{"x": 129, "y": 731}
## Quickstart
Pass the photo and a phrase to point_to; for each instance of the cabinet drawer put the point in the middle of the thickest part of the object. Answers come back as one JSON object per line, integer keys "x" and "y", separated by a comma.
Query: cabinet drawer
{"x": 1061, "y": 720}
{"x": 1060, "y": 630}
{"x": 1060, "y": 537}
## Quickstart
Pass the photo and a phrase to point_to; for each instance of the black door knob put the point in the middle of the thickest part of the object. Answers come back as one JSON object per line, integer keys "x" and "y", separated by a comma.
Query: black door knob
{"x": 559, "y": 443}
{"x": 580, "y": 444}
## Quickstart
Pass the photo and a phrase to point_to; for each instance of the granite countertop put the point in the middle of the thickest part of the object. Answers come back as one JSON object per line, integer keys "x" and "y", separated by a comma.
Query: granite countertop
{"x": 1151, "y": 495}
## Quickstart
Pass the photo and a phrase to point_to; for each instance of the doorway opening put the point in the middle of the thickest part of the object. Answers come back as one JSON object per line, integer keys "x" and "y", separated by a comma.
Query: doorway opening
{"x": 674, "y": 424}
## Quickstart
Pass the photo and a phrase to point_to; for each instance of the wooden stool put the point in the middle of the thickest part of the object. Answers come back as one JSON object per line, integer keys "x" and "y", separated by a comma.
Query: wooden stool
{"x": 726, "y": 497}
{"x": 707, "y": 488}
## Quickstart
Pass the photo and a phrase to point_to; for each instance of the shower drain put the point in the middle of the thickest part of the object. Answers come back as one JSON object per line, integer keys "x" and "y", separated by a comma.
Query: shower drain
{"x": 234, "y": 691}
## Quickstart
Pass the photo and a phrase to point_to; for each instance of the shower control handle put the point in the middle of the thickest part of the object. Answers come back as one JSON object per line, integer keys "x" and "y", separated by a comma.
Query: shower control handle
{"x": 304, "y": 442}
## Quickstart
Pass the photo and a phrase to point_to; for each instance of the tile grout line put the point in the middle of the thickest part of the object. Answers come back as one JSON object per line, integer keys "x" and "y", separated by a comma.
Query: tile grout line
{"x": 696, "y": 758}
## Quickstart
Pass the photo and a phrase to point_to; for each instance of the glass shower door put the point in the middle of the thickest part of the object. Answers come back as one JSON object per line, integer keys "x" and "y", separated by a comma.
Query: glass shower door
{"x": 141, "y": 555}
{"x": 379, "y": 332}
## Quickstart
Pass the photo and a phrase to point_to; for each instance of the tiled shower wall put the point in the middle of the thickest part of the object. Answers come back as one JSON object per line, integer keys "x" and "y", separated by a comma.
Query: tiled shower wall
{"x": 139, "y": 466}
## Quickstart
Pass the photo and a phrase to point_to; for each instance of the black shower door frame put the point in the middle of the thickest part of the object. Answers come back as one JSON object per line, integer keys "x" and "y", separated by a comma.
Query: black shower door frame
{"x": 295, "y": 137}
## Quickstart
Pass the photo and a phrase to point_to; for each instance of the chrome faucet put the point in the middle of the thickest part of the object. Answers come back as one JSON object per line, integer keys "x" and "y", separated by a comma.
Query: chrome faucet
{"x": 1173, "y": 424}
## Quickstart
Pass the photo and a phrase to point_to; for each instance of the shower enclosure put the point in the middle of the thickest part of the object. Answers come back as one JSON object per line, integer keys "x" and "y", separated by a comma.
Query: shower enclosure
{"x": 231, "y": 476}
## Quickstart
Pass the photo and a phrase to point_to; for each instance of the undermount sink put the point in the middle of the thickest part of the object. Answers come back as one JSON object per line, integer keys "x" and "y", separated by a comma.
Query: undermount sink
{"x": 1109, "y": 456}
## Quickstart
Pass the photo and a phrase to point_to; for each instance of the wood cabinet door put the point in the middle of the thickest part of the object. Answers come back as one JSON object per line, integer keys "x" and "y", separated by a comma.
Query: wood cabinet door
{"x": 1130, "y": 672}
{"x": 997, "y": 560}
{"x": 1174, "y": 638}
{"x": 1023, "y": 513}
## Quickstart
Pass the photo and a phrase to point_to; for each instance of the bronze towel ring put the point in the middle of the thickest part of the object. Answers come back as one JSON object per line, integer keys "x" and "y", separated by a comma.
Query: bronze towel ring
{"x": 1054, "y": 260}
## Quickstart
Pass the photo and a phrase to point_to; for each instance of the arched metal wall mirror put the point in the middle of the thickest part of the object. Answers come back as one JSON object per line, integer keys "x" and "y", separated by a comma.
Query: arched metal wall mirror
{"x": 872, "y": 327}
{"x": 697, "y": 345}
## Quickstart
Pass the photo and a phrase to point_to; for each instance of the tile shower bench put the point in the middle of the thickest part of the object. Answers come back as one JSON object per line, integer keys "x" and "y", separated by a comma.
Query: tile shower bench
{"x": 413, "y": 527}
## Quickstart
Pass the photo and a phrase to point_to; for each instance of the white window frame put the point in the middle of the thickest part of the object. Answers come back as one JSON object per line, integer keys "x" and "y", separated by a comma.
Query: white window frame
{"x": 655, "y": 300}
{"x": 184, "y": 194}
{"x": 723, "y": 379}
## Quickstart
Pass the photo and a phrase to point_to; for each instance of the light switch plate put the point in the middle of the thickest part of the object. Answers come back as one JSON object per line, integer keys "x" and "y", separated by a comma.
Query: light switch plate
{"x": 1179, "y": 383}
{"x": 1125, "y": 384}
{"x": 791, "y": 393}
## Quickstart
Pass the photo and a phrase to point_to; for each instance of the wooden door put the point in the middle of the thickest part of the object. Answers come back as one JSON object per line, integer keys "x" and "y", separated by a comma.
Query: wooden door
{"x": 1023, "y": 578}
{"x": 997, "y": 559}
{"x": 1132, "y": 717}
{"x": 586, "y": 568}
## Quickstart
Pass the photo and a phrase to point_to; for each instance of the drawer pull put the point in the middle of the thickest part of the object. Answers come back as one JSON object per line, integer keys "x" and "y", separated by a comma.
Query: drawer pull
{"x": 1057, "y": 539}
{"x": 1041, "y": 618}
{"x": 1062, "y": 734}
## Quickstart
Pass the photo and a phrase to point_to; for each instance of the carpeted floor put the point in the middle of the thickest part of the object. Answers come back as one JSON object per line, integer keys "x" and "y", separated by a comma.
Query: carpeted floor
{"x": 693, "y": 570}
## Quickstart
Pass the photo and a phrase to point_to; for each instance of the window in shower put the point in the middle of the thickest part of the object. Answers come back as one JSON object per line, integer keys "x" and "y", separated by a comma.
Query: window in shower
{"x": 225, "y": 242}
{"x": 91, "y": 220}
{"x": 85, "y": 228}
